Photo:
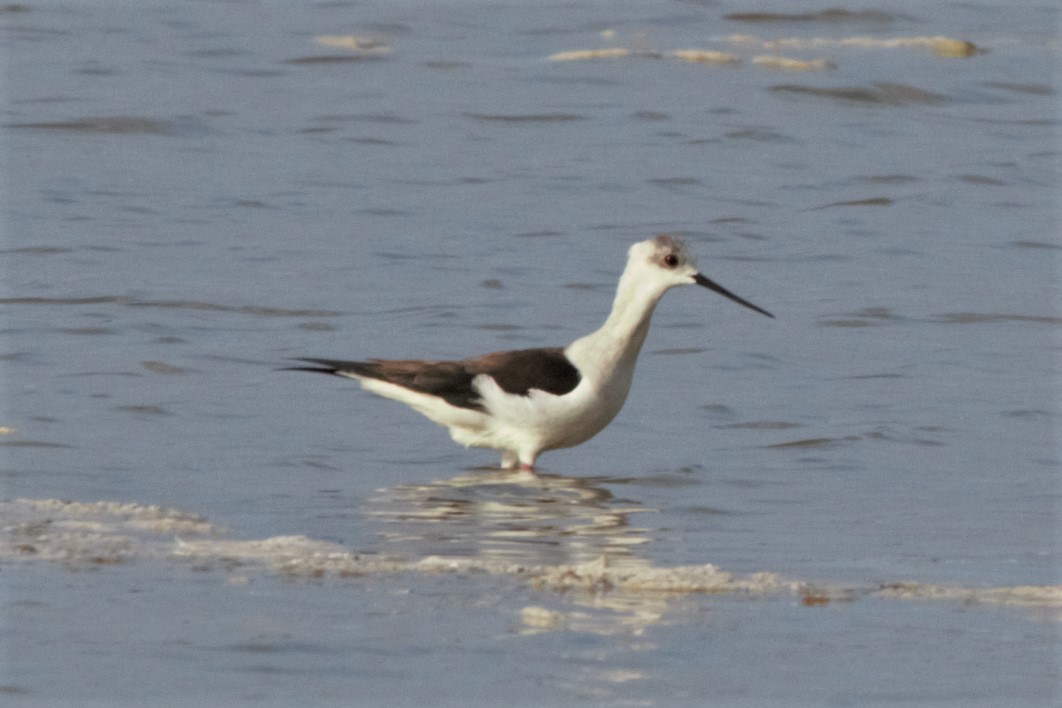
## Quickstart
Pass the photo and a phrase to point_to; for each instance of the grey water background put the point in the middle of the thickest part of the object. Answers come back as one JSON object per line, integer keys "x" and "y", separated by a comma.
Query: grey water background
{"x": 196, "y": 193}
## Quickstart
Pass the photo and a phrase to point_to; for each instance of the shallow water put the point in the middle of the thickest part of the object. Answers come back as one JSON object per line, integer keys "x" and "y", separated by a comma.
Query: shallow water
{"x": 194, "y": 195}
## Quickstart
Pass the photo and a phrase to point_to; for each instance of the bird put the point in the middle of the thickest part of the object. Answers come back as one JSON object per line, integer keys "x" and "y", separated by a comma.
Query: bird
{"x": 528, "y": 401}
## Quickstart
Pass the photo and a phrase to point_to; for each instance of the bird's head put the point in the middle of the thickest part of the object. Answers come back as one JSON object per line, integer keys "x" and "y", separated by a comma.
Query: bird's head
{"x": 667, "y": 262}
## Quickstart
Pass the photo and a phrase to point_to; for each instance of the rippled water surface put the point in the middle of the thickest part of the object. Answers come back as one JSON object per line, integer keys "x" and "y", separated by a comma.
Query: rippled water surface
{"x": 855, "y": 502}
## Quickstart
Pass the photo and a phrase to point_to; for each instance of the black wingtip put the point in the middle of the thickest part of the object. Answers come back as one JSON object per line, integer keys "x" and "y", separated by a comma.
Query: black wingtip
{"x": 320, "y": 366}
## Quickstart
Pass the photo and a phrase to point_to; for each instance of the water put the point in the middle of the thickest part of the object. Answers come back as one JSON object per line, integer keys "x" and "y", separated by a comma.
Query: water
{"x": 195, "y": 194}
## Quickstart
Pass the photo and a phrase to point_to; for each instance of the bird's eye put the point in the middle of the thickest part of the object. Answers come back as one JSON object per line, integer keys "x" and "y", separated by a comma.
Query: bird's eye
{"x": 671, "y": 260}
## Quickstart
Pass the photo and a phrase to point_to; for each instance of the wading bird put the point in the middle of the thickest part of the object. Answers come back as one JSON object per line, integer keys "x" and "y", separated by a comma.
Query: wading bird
{"x": 527, "y": 401}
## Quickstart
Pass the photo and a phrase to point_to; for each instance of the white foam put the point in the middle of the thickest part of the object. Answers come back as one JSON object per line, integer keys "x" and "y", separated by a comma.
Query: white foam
{"x": 940, "y": 46}
{"x": 631, "y": 592}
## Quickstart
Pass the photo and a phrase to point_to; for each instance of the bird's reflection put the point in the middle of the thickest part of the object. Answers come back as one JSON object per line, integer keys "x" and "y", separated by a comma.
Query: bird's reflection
{"x": 550, "y": 524}
{"x": 529, "y": 519}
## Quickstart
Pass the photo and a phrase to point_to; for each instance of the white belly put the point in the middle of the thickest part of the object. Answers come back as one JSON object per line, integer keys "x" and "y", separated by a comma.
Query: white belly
{"x": 543, "y": 421}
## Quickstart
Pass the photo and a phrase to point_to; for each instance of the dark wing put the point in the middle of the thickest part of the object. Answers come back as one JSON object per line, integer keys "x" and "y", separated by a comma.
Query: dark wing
{"x": 448, "y": 380}
{"x": 516, "y": 372}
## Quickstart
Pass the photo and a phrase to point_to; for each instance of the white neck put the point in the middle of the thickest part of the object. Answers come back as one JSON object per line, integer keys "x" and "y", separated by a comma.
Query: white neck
{"x": 612, "y": 350}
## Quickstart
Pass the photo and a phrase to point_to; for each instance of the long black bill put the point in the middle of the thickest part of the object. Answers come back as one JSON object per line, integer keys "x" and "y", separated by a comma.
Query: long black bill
{"x": 712, "y": 285}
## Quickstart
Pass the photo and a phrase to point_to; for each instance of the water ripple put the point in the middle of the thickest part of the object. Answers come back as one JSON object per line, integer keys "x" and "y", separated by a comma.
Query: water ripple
{"x": 259, "y": 310}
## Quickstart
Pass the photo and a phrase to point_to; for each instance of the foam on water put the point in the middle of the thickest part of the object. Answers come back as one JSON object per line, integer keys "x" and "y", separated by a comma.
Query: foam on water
{"x": 86, "y": 534}
{"x": 940, "y": 46}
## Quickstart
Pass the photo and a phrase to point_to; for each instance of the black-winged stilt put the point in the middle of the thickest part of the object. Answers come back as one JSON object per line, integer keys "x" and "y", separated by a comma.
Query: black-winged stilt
{"x": 527, "y": 401}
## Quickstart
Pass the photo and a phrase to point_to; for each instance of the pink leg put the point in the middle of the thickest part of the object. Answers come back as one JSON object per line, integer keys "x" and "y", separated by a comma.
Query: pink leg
{"x": 527, "y": 463}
